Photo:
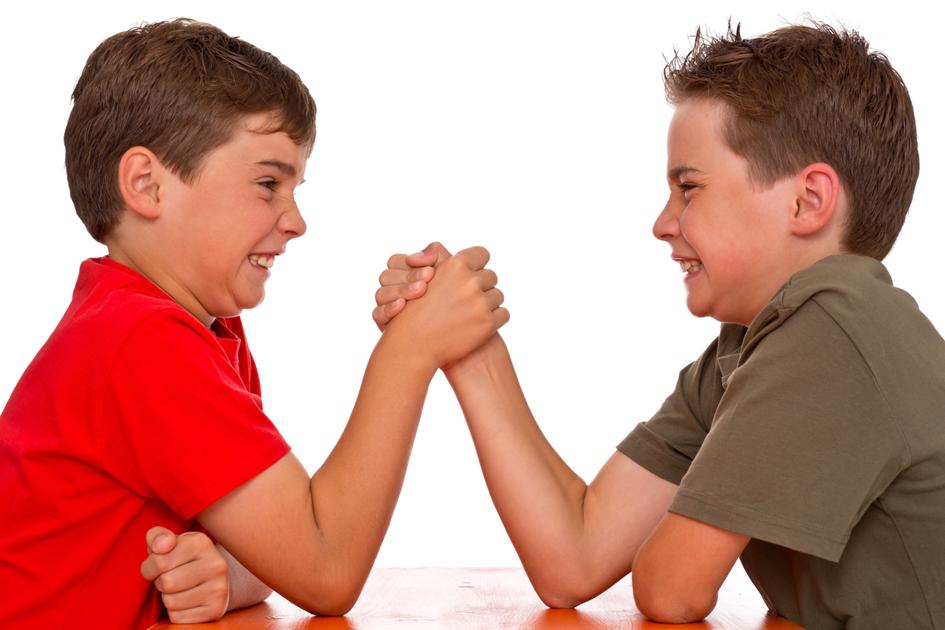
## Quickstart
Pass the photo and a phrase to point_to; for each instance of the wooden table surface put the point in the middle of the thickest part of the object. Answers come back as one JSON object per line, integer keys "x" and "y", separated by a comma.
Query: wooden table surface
{"x": 487, "y": 599}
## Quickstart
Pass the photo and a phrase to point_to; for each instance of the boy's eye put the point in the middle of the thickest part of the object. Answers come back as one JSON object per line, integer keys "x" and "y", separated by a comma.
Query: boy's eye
{"x": 685, "y": 187}
{"x": 268, "y": 183}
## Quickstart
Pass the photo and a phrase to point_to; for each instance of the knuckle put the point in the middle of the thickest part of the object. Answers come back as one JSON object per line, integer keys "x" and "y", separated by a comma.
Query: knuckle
{"x": 218, "y": 565}
{"x": 171, "y": 601}
{"x": 220, "y": 608}
{"x": 220, "y": 589}
{"x": 165, "y": 583}
{"x": 202, "y": 541}
{"x": 160, "y": 563}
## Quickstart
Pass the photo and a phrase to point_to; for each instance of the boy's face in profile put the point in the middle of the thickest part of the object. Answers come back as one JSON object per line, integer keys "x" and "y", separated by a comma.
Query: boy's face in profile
{"x": 725, "y": 232}
{"x": 225, "y": 229}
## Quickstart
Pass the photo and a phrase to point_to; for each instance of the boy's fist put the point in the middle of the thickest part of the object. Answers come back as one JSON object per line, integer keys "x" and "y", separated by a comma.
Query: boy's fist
{"x": 406, "y": 278}
{"x": 190, "y": 572}
{"x": 460, "y": 309}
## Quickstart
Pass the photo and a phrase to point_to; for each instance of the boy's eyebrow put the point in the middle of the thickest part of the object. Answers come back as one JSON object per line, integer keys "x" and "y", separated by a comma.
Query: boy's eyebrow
{"x": 285, "y": 167}
{"x": 676, "y": 171}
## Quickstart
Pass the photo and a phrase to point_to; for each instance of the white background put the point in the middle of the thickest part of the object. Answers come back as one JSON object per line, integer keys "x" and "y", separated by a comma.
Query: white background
{"x": 535, "y": 129}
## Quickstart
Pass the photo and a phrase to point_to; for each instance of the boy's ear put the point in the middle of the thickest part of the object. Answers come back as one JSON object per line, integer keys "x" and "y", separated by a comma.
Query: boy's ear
{"x": 139, "y": 181}
{"x": 817, "y": 199}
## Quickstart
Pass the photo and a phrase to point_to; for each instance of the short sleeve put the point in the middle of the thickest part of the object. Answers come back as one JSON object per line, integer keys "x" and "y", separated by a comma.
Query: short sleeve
{"x": 193, "y": 430}
{"x": 667, "y": 443}
{"x": 801, "y": 444}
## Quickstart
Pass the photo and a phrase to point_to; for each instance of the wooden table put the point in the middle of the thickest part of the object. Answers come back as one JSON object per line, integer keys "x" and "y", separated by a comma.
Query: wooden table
{"x": 487, "y": 599}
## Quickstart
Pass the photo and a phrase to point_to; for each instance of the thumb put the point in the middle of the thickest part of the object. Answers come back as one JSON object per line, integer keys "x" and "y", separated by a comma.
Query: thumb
{"x": 160, "y": 540}
{"x": 431, "y": 256}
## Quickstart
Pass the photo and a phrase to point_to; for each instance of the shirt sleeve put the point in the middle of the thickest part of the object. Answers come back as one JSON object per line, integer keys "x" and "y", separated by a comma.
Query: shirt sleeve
{"x": 801, "y": 443}
{"x": 667, "y": 443}
{"x": 193, "y": 430}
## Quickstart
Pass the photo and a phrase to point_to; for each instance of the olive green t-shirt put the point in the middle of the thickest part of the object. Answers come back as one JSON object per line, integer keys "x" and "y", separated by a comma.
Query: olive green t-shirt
{"x": 819, "y": 431}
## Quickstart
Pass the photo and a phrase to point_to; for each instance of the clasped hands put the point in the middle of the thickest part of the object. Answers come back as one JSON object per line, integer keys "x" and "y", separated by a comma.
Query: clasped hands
{"x": 408, "y": 278}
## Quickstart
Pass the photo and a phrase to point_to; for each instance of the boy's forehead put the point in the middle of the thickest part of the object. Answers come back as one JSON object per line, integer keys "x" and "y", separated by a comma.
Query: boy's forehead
{"x": 257, "y": 141}
{"x": 694, "y": 136}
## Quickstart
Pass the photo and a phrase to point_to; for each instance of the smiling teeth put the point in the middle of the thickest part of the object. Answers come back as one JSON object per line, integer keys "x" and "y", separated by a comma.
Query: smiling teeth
{"x": 262, "y": 261}
{"x": 689, "y": 265}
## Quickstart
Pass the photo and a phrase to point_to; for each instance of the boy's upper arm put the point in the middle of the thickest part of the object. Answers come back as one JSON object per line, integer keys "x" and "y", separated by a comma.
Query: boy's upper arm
{"x": 801, "y": 445}
{"x": 678, "y": 572}
{"x": 269, "y": 525}
{"x": 179, "y": 423}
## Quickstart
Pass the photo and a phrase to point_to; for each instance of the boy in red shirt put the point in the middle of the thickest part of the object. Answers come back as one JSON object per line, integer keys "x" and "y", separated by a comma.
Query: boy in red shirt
{"x": 183, "y": 151}
{"x": 808, "y": 439}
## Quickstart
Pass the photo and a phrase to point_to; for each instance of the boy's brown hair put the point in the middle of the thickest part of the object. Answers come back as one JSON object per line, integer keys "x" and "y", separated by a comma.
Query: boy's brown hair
{"x": 805, "y": 94}
{"x": 178, "y": 88}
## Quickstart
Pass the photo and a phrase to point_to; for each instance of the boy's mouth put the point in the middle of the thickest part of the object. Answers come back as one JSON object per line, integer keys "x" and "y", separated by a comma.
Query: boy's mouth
{"x": 262, "y": 260}
{"x": 689, "y": 265}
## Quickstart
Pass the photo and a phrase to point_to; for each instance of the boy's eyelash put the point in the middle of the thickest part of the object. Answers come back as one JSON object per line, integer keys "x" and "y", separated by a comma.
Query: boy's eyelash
{"x": 268, "y": 183}
{"x": 685, "y": 187}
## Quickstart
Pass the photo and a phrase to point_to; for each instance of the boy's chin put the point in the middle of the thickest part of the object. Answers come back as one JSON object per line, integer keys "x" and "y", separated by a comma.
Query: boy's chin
{"x": 697, "y": 307}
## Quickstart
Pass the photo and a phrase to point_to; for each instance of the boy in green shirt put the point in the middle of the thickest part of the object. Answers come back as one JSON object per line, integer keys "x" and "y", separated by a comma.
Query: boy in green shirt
{"x": 808, "y": 438}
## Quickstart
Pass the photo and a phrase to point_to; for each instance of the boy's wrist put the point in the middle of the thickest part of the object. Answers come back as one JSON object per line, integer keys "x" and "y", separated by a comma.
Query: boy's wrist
{"x": 481, "y": 364}
{"x": 408, "y": 352}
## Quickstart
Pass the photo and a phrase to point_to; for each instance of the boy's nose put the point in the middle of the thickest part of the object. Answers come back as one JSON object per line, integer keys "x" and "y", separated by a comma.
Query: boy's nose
{"x": 291, "y": 222}
{"x": 666, "y": 225}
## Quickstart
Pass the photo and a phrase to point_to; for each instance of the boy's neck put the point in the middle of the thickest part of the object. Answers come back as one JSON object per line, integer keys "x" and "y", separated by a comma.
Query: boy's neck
{"x": 162, "y": 281}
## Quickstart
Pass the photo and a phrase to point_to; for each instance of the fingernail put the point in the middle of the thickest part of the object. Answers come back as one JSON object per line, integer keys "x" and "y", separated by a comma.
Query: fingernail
{"x": 157, "y": 541}
{"x": 419, "y": 253}
{"x": 415, "y": 286}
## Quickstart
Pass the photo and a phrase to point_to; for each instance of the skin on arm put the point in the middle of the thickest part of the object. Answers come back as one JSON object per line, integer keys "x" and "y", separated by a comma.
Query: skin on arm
{"x": 314, "y": 540}
{"x": 680, "y": 568}
{"x": 552, "y": 516}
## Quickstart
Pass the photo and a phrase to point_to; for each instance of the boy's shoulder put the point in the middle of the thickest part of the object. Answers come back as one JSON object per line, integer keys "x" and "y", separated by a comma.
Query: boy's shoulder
{"x": 854, "y": 295}
{"x": 843, "y": 318}
{"x": 113, "y": 305}
{"x": 117, "y": 299}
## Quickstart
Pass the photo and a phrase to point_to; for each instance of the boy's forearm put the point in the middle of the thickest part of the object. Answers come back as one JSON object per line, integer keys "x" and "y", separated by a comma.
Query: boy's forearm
{"x": 355, "y": 490}
{"x": 539, "y": 498}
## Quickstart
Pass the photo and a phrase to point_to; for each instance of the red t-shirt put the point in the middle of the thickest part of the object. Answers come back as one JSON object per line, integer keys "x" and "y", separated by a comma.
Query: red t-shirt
{"x": 132, "y": 415}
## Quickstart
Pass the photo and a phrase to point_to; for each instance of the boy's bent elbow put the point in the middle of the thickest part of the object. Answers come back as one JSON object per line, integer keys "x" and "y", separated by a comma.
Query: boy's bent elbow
{"x": 668, "y": 605}
{"x": 562, "y": 590}
{"x": 555, "y": 599}
{"x": 332, "y": 598}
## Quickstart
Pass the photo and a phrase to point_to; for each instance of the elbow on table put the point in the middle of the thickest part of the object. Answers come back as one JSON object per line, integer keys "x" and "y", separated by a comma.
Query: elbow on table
{"x": 558, "y": 599}
{"x": 665, "y": 604}
{"x": 331, "y": 598}
{"x": 564, "y": 590}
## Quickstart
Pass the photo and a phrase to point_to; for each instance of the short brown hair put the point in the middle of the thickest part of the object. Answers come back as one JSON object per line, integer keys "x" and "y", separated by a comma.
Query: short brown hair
{"x": 178, "y": 88}
{"x": 805, "y": 94}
